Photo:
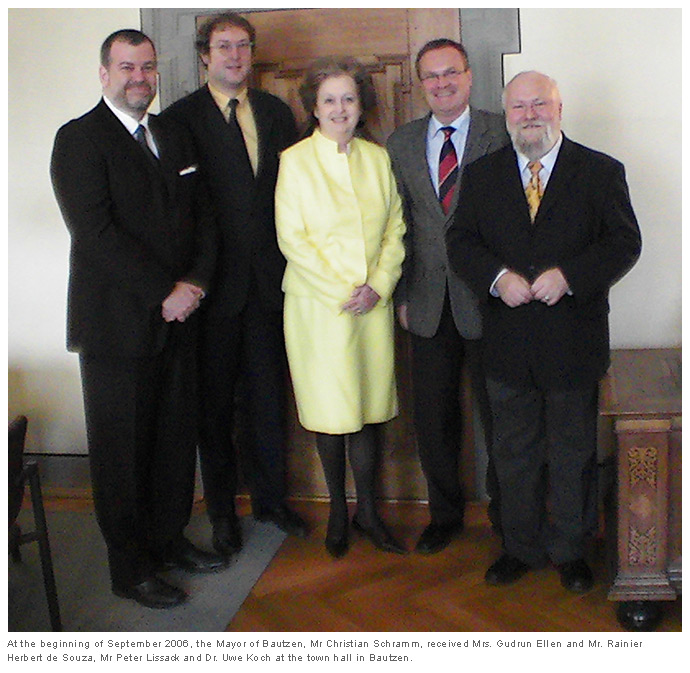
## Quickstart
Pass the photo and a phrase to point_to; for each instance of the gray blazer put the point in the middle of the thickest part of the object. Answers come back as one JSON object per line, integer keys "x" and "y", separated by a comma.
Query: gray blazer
{"x": 426, "y": 271}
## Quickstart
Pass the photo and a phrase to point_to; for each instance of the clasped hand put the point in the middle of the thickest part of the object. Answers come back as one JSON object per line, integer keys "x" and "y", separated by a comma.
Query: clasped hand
{"x": 362, "y": 300}
{"x": 548, "y": 288}
{"x": 181, "y": 302}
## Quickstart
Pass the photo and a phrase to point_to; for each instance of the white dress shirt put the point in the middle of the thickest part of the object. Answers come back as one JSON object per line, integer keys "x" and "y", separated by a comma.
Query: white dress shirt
{"x": 132, "y": 124}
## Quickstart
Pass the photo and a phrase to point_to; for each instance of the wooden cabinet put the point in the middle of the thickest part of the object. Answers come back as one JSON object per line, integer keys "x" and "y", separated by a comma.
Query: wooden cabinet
{"x": 641, "y": 410}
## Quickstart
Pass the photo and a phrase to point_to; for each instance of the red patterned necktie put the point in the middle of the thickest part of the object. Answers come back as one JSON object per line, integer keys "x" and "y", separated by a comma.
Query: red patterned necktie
{"x": 447, "y": 170}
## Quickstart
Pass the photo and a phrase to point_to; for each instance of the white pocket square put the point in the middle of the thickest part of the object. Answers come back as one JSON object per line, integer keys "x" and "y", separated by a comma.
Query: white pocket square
{"x": 188, "y": 170}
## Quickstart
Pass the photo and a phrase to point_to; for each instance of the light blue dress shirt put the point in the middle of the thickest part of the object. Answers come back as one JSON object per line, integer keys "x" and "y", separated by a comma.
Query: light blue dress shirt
{"x": 435, "y": 139}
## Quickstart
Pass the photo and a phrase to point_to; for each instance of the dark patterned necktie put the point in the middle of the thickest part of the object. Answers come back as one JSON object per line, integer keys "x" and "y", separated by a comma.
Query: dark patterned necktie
{"x": 140, "y": 137}
{"x": 447, "y": 170}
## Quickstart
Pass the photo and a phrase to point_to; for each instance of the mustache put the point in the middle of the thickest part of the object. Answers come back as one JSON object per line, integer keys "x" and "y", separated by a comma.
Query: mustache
{"x": 137, "y": 85}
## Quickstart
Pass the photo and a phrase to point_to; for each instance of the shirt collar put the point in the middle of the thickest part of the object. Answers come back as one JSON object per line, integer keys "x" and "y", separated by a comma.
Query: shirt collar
{"x": 548, "y": 161}
{"x": 130, "y": 123}
{"x": 462, "y": 123}
{"x": 222, "y": 99}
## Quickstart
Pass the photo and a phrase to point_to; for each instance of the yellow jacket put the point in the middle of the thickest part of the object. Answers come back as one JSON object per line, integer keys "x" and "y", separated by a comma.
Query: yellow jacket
{"x": 339, "y": 220}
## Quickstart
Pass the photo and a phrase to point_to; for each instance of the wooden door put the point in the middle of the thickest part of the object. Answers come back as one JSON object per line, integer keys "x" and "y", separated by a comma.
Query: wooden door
{"x": 387, "y": 42}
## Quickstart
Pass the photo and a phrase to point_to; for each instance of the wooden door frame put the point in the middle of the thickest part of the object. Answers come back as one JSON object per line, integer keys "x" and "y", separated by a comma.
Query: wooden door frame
{"x": 487, "y": 34}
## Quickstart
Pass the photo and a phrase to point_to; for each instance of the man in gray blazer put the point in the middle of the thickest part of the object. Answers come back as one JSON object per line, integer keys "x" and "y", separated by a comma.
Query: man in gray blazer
{"x": 434, "y": 305}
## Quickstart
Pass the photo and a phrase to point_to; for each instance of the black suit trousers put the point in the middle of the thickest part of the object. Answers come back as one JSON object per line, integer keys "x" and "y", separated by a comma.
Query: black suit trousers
{"x": 141, "y": 427}
{"x": 545, "y": 450}
{"x": 243, "y": 369}
{"x": 437, "y": 364}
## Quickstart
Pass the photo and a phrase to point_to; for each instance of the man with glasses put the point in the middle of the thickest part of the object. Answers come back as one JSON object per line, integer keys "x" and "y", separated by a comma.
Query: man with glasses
{"x": 543, "y": 229}
{"x": 434, "y": 305}
{"x": 239, "y": 133}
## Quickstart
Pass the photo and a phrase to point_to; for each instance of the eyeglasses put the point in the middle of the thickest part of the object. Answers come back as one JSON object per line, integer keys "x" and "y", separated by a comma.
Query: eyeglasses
{"x": 226, "y": 47}
{"x": 451, "y": 73}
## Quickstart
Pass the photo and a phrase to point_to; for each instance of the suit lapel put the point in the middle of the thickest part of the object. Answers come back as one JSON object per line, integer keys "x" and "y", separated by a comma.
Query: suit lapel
{"x": 168, "y": 169}
{"x": 263, "y": 123}
{"x": 123, "y": 143}
{"x": 563, "y": 171}
{"x": 477, "y": 141}
{"x": 418, "y": 152}
{"x": 476, "y": 146}
{"x": 425, "y": 186}
{"x": 511, "y": 189}
{"x": 213, "y": 121}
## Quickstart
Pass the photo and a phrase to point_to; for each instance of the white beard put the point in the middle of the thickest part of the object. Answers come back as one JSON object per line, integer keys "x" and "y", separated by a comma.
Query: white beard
{"x": 533, "y": 149}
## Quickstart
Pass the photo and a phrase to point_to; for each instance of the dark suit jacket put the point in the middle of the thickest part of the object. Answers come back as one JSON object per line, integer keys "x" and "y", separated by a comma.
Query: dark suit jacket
{"x": 136, "y": 229}
{"x": 425, "y": 270}
{"x": 244, "y": 204}
{"x": 585, "y": 225}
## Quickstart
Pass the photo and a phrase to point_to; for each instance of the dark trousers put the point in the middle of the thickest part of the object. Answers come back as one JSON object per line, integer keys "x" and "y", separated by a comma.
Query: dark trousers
{"x": 141, "y": 427}
{"x": 436, "y": 376}
{"x": 243, "y": 354}
{"x": 545, "y": 453}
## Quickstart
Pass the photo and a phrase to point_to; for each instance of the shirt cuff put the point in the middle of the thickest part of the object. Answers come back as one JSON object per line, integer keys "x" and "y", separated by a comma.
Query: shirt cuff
{"x": 492, "y": 290}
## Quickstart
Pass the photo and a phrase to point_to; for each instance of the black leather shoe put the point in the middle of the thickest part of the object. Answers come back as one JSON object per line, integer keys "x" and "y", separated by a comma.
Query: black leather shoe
{"x": 184, "y": 555}
{"x": 337, "y": 547}
{"x": 379, "y": 537}
{"x": 227, "y": 536}
{"x": 506, "y": 570}
{"x": 576, "y": 576}
{"x": 153, "y": 592}
{"x": 284, "y": 518}
{"x": 437, "y": 537}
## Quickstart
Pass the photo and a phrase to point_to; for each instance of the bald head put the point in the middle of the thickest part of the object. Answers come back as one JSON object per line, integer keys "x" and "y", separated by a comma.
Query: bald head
{"x": 533, "y": 106}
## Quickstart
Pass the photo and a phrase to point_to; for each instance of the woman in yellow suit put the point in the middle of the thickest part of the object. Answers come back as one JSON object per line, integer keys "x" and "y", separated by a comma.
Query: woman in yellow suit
{"x": 340, "y": 227}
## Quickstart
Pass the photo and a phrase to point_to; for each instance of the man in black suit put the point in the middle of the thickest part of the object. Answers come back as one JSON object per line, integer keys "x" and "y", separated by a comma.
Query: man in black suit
{"x": 437, "y": 307}
{"x": 239, "y": 133}
{"x": 143, "y": 252}
{"x": 543, "y": 230}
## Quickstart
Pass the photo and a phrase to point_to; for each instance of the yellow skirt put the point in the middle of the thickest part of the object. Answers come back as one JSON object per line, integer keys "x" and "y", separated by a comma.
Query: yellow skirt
{"x": 342, "y": 366}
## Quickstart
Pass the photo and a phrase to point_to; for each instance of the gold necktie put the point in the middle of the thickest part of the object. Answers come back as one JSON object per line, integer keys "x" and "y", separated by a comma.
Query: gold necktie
{"x": 534, "y": 190}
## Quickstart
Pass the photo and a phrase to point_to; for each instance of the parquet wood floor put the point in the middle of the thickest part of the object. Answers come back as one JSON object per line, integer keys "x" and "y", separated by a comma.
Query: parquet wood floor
{"x": 304, "y": 589}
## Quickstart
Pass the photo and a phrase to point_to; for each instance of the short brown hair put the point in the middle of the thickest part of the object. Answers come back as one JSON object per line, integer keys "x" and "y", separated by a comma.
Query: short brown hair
{"x": 128, "y": 35}
{"x": 440, "y": 43}
{"x": 328, "y": 66}
{"x": 203, "y": 37}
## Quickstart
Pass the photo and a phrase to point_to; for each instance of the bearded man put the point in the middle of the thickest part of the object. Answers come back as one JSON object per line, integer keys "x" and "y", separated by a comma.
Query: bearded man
{"x": 543, "y": 229}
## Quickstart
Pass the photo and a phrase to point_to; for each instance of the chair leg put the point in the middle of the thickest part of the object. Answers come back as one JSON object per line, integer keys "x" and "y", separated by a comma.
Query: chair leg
{"x": 31, "y": 471}
{"x": 15, "y": 536}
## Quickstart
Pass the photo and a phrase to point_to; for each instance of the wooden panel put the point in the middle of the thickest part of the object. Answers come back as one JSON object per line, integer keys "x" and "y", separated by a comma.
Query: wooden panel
{"x": 305, "y": 34}
{"x": 387, "y": 42}
{"x": 646, "y": 381}
{"x": 641, "y": 395}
